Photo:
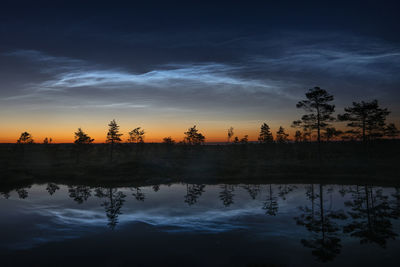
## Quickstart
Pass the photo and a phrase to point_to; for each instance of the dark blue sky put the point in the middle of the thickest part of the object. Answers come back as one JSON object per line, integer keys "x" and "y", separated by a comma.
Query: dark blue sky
{"x": 206, "y": 63}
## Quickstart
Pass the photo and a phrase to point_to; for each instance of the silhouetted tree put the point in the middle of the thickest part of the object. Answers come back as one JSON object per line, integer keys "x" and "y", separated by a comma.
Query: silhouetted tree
{"x": 136, "y": 135}
{"x": 81, "y": 139}
{"x": 271, "y": 203}
{"x": 193, "y": 137}
{"x": 113, "y": 136}
{"x": 236, "y": 140}
{"x": 391, "y": 131}
{"x": 367, "y": 118}
{"x": 331, "y": 132}
{"x": 25, "y": 138}
{"x": 265, "y": 134}
{"x": 47, "y": 141}
{"x": 113, "y": 202}
{"x": 298, "y": 137}
{"x": 230, "y": 134}
{"x": 281, "y": 136}
{"x": 320, "y": 111}
{"x": 193, "y": 192}
{"x": 168, "y": 140}
{"x": 245, "y": 139}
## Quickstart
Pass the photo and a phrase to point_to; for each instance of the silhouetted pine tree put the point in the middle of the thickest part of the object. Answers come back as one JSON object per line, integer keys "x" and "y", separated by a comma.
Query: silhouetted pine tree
{"x": 25, "y": 138}
{"x": 331, "y": 132}
{"x": 113, "y": 136}
{"x": 136, "y": 135}
{"x": 367, "y": 118}
{"x": 391, "y": 131}
{"x": 281, "y": 136}
{"x": 81, "y": 139}
{"x": 230, "y": 134}
{"x": 298, "y": 137}
{"x": 320, "y": 111}
{"x": 193, "y": 137}
{"x": 265, "y": 134}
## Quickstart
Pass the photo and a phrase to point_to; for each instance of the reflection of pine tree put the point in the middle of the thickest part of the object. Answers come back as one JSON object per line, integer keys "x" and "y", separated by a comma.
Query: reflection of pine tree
{"x": 52, "y": 188}
{"x": 113, "y": 201}
{"x": 6, "y": 195}
{"x": 343, "y": 191}
{"x": 226, "y": 195}
{"x": 271, "y": 203}
{"x": 285, "y": 189}
{"x": 139, "y": 195}
{"x": 79, "y": 193}
{"x": 253, "y": 190}
{"x": 396, "y": 202}
{"x": 156, "y": 188}
{"x": 324, "y": 242}
{"x": 371, "y": 215}
{"x": 22, "y": 193}
{"x": 193, "y": 192}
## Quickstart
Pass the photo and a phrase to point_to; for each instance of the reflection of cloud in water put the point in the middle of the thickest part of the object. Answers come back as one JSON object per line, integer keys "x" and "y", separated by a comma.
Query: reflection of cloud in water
{"x": 75, "y": 223}
{"x": 209, "y": 221}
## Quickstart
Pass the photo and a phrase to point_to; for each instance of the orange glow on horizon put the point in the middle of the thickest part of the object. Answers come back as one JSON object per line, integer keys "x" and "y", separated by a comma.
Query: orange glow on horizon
{"x": 152, "y": 135}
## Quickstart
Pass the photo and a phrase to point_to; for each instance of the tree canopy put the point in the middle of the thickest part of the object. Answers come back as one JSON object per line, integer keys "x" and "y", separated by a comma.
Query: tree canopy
{"x": 317, "y": 104}
{"x": 193, "y": 137}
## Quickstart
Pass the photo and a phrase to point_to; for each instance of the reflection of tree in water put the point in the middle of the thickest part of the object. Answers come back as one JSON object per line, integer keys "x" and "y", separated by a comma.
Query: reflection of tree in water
{"x": 79, "y": 193}
{"x": 156, "y": 188}
{"x": 113, "y": 201}
{"x": 343, "y": 190}
{"x": 6, "y": 195}
{"x": 396, "y": 202}
{"x": 324, "y": 242}
{"x": 285, "y": 189}
{"x": 226, "y": 195}
{"x": 253, "y": 189}
{"x": 193, "y": 192}
{"x": 271, "y": 203}
{"x": 22, "y": 192}
{"x": 138, "y": 194}
{"x": 52, "y": 188}
{"x": 371, "y": 215}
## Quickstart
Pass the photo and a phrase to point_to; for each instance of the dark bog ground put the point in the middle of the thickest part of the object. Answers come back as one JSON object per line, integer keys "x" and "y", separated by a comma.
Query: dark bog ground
{"x": 337, "y": 162}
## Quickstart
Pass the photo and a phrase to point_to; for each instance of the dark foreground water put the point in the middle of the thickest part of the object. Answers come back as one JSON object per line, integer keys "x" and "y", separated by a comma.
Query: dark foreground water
{"x": 200, "y": 225}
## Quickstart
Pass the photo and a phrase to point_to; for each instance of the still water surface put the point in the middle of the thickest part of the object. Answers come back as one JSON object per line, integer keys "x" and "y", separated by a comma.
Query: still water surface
{"x": 200, "y": 225}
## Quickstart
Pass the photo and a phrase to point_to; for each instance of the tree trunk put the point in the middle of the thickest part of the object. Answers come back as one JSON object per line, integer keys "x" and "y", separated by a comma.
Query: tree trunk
{"x": 111, "y": 151}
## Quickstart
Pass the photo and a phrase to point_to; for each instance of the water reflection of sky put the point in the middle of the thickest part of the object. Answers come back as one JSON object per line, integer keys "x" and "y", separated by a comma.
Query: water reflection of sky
{"x": 42, "y": 218}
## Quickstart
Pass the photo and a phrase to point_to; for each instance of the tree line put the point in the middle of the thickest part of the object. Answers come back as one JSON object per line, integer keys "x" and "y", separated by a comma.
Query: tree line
{"x": 365, "y": 121}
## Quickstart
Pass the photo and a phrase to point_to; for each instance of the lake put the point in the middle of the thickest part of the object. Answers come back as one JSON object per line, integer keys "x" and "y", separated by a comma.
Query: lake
{"x": 200, "y": 225}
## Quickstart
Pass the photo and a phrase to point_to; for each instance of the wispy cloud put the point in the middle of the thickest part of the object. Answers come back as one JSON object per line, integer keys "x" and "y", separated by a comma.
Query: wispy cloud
{"x": 383, "y": 63}
{"x": 71, "y": 73}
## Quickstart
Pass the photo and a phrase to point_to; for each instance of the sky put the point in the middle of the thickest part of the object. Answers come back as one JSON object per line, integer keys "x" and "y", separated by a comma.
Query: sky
{"x": 168, "y": 66}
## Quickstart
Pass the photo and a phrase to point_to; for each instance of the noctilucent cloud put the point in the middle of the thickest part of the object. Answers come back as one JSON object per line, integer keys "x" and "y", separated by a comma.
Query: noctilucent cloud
{"x": 166, "y": 67}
